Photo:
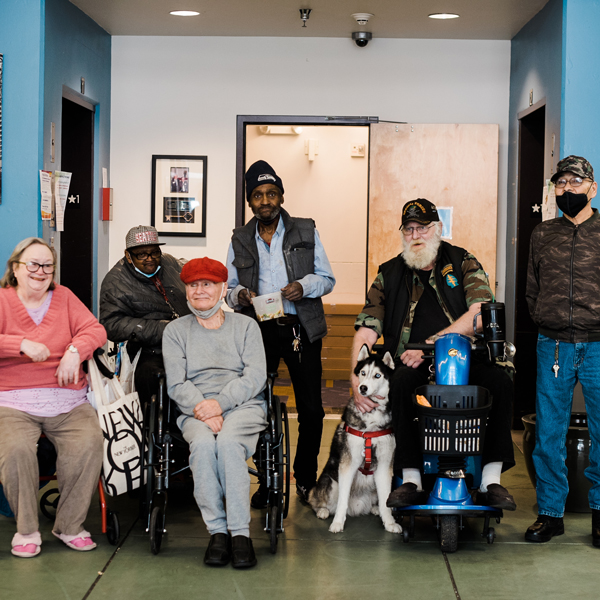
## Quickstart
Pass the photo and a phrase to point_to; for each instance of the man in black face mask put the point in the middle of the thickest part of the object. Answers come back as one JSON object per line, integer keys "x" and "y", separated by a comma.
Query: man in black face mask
{"x": 277, "y": 252}
{"x": 563, "y": 294}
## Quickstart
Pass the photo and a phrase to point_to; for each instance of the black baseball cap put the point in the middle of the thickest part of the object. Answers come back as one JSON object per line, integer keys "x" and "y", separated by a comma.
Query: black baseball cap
{"x": 419, "y": 210}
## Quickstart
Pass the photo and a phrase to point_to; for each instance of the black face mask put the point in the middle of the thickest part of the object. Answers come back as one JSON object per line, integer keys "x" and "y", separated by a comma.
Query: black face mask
{"x": 572, "y": 204}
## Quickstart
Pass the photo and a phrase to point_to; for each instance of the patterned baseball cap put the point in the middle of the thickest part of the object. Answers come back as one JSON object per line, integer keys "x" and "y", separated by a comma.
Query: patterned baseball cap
{"x": 142, "y": 235}
{"x": 419, "y": 210}
{"x": 574, "y": 164}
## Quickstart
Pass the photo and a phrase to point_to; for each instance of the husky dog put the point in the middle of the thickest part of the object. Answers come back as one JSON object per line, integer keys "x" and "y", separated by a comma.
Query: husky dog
{"x": 362, "y": 443}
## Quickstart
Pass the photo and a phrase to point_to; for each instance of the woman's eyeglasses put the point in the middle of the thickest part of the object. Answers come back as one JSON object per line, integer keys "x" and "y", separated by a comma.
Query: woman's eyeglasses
{"x": 33, "y": 267}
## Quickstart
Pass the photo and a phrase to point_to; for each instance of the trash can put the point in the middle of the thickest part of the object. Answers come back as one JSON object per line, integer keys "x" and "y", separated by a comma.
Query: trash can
{"x": 578, "y": 459}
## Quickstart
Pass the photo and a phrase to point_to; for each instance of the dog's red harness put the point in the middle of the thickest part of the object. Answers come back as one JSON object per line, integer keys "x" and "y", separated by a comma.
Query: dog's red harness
{"x": 367, "y": 435}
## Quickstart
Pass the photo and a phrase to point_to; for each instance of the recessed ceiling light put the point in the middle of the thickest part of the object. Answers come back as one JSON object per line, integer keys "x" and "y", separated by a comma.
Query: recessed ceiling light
{"x": 184, "y": 13}
{"x": 444, "y": 16}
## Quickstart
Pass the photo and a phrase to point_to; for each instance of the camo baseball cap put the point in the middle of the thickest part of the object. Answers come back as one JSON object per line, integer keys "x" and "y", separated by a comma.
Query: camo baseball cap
{"x": 419, "y": 210}
{"x": 142, "y": 235}
{"x": 574, "y": 164}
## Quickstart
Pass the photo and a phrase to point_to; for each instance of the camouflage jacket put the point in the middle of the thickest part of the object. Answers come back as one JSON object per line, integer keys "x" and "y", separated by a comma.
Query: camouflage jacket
{"x": 475, "y": 286}
{"x": 563, "y": 279}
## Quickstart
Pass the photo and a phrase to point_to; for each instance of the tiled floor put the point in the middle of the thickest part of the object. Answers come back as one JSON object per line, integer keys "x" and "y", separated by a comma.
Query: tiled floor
{"x": 362, "y": 562}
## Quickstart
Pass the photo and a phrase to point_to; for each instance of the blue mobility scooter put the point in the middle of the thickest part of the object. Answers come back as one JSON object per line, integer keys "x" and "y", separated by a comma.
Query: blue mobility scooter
{"x": 452, "y": 431}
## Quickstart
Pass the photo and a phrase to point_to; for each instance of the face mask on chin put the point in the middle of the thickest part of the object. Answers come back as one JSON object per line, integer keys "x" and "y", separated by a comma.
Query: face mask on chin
{"x": 207, "y": 314}
{"x": 146, "y": 274}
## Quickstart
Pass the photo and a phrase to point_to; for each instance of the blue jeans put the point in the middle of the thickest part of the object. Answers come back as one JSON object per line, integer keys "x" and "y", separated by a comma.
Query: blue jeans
{"x": 554, "y": 397}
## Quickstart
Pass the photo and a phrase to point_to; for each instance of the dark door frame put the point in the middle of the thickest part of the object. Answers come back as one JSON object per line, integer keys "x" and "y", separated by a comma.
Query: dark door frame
{"x": 240, "y": 152}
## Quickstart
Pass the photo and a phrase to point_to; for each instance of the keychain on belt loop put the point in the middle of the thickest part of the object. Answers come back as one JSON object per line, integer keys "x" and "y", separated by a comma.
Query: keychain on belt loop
{"x": 556, "y": 367}
{"x": 297, "y": 343}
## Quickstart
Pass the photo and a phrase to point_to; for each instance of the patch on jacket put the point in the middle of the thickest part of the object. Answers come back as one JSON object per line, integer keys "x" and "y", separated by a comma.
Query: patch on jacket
{"x": 451, "y": 281}
{"x": 447, "y": 269}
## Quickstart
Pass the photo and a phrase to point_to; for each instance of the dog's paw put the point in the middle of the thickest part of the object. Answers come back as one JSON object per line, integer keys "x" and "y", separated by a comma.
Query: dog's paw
{"x": 375, "y": 510}
{"x": 393, "y": 527}
{"x": 322, "y": 513}
{"x": 336, "y": 527}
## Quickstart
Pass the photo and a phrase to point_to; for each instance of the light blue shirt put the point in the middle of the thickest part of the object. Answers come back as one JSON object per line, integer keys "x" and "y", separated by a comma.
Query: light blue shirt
{"x": 273, "y": 275}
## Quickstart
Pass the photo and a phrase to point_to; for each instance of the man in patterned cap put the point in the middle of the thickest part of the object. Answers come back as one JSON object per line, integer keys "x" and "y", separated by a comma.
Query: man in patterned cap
{"x": 139, "y": 297}
{"x": 430, "y": 289}
{"x": 563, "y": 291}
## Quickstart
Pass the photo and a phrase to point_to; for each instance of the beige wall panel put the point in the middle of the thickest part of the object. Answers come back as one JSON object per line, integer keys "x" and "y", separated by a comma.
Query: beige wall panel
{"x": 450, "y": 165}
{"x": 331, "y": 189}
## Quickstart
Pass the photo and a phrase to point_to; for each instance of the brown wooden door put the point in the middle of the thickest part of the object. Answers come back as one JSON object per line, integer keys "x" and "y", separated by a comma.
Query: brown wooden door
{"x": 453, "y": 166}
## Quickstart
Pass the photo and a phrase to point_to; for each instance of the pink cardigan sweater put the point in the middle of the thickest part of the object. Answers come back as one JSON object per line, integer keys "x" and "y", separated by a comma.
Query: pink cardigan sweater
{"x": 67, "y": 322}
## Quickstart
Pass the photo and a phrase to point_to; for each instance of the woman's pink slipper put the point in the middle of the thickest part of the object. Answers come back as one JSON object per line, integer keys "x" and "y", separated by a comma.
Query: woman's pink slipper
{"x": 26, "y": 546}
{"x": 82, "y": 542}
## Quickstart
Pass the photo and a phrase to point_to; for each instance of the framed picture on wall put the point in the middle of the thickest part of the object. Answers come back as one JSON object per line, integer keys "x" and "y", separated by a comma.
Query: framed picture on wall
{"x": 179, "y": 195}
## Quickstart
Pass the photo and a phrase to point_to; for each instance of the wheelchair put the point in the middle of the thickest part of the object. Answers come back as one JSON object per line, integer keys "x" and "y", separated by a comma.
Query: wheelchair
{"x": 160, "y": 464}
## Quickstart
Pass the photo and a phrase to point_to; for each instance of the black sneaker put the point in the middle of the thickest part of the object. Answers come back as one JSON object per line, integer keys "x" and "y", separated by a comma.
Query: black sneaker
{"x": 497, "y": 496}
{"x": 406, "y": 495}
{"x": 242, "y": 552}
{"x": 218, "y": 551}
{"x": 544, "y": 529}
{"x": 303, "y": 492}
{"x": 260, "y": 497}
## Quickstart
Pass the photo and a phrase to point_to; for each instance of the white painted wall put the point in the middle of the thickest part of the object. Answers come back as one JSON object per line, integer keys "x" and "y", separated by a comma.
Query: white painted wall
{"x": 181, "y": 95}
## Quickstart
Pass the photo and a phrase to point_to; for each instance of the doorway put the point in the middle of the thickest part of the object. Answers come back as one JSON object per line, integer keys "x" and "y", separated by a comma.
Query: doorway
{"x": 76, "y": 241}
{"x": 532, "y": 127}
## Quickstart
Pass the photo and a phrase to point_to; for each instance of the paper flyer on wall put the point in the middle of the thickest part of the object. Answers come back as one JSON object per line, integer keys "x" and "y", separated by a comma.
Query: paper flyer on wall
{"x": 548, "y": 201}
{"x": 46, "y": 192}
{"x": 62, "y": 181}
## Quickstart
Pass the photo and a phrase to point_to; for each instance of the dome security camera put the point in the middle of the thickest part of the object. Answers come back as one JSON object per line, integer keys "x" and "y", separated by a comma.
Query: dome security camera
{"x": 362, "y": 38}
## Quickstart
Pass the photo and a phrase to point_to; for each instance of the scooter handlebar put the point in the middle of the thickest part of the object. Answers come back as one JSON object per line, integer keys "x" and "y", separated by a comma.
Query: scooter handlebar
{"x": 431, "y": 347}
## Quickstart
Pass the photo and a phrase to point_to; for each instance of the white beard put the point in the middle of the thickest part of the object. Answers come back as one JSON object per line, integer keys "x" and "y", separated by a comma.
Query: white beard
{"x": 424, "y": 257}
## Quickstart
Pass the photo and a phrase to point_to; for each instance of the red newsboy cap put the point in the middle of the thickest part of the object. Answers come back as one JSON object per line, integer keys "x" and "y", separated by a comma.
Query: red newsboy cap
{"x": 203, "y": 268}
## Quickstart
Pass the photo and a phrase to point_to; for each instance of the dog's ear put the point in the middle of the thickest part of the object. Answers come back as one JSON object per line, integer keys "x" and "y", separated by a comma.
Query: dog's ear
{"x": 389, "y": 361}
{"x": 364, "y": 352}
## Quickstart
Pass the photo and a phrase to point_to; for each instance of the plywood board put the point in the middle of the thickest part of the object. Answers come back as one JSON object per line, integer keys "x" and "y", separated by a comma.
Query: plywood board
{"x": 450, "y": 165}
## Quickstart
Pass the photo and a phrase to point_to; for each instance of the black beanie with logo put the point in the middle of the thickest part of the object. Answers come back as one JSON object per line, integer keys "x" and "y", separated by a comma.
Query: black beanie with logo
{"x": 259, "y": 173}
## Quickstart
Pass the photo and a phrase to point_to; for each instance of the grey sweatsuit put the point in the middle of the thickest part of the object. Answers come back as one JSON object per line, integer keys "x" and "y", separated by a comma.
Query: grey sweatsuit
{"x": 228, "y": 365}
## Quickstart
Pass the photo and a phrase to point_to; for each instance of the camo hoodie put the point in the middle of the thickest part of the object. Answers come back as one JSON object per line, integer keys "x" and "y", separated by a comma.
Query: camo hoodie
{"x": 563, "y": 279}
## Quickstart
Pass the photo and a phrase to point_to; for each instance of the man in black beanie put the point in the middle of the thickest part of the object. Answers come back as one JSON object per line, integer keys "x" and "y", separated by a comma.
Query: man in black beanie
{"x": 276, "y": 252}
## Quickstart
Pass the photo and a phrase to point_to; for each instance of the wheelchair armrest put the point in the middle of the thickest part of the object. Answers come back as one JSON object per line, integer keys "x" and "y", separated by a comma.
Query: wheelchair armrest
{"x": 101, "y": 366}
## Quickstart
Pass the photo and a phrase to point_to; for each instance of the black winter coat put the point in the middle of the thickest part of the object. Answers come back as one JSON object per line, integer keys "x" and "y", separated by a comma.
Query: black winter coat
{"x": 132, "y": 308}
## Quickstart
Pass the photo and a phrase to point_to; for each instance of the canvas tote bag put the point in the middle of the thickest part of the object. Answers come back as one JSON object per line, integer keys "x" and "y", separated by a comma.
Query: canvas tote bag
{"x": 121, "y": 420}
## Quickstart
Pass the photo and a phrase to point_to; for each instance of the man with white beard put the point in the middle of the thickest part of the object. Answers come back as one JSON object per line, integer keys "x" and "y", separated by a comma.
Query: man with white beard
{"x": 432, "y": 288}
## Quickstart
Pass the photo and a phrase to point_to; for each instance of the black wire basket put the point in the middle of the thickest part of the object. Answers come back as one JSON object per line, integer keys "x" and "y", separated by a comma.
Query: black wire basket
{"x": 456, "y": 421}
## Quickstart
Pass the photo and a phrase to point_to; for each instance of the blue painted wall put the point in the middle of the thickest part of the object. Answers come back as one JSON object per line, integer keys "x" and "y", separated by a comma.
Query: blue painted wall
{"x": 77, "y": 47}
{"x": 536, "y": 63}
{"x": 580, "y": 123}
{"x": 22, "y": 43}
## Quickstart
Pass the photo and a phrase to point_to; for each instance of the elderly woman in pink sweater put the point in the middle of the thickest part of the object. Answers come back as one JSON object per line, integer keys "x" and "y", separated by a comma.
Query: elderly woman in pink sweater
{"x": 45, "y": 335}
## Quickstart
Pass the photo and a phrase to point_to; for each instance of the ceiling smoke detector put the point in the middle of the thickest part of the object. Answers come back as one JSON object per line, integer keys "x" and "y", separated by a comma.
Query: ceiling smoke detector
{"x": 362, "y": 18}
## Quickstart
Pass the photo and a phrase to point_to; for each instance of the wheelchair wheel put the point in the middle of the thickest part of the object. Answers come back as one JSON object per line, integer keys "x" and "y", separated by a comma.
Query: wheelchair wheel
{"x": 157, "y": 528}
{"x": 273, "y": 526}
{"x": 449, "y": 533}
{"x": 49, "y": 503}
{"x": 113, "y": 529}
{"x": 150, "y": 456}
{"x": 286, "y": 460}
